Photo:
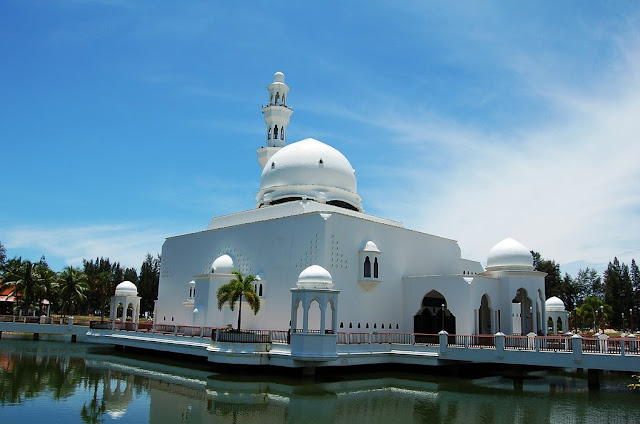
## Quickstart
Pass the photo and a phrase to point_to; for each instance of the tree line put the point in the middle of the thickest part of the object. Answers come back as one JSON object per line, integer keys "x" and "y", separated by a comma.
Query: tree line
{"x": 605, "y": 300}
{"x": 85, "y": 290}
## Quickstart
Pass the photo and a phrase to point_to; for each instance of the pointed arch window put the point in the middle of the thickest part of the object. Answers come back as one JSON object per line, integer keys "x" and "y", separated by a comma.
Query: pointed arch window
{"x": 375, "y": 268}
{"x": 367, "y": 267}
{"x": 275, "y": 132}
{"x": 269, "y": 134}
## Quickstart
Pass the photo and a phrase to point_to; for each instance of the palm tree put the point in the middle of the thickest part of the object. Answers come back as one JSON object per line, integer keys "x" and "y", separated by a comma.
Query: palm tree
{"x": 22, "y": 279}
{"x": 73, "y": 286}
{"x": 234, "y": 290}
{"x": 48, "y": 282}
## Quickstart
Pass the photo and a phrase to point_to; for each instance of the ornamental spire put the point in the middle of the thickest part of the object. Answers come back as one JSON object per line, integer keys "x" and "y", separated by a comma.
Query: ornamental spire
{"x": 276, "y": 116}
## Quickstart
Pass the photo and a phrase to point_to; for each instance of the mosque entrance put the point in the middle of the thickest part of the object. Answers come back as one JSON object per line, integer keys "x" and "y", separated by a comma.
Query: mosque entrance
{"x": 432, "y": 317}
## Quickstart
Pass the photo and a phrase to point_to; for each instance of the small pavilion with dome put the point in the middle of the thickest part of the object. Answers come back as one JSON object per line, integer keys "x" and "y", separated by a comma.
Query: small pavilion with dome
{"x": 557, "y": 315}
{"x": 126, "y": 296}
{"x": 310, "y": 241}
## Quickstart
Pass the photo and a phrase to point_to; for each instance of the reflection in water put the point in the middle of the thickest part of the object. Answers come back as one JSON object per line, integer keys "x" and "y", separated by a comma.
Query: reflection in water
{"x": 75, "y": 383}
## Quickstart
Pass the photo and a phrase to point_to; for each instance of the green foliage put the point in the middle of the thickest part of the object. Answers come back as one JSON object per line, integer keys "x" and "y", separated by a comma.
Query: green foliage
{"x": 102, "y": 278}
{"x": 618, "y": 290}
{"x": 554, "y": 284}
{"x": 235, "y": 290}
{"x": 589, "y": 284}
{"x": 73, "y": 289}
{"x": 22, "y": 279}
{"x": 3, "y": 256}
{"x": 148, "y": 282}
{"x": 593, "y": 312}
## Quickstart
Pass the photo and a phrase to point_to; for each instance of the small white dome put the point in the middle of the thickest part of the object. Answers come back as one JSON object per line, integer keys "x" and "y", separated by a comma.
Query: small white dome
{"x": 126, "y": 288}
{"x": 309, "y": 169}
{"x": 192, "y": 283}
{"x": 370, "y": 247}
{"x": 509, "y": 254}
{"x": 554, "y": 304}
{"x": 315, "y": 277}
{"x": 278, "y": 77}
{"x": 222, "y": 265}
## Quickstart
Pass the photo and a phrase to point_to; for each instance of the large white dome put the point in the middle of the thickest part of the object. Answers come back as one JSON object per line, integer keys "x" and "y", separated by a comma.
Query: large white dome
{"x": 309, "y": 169}
{"x": 509, "y": 254}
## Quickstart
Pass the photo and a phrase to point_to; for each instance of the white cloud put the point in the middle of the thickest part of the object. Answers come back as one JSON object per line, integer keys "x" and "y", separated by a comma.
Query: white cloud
{"x": 124, "y": 243}
{"x": 568, "y": 188}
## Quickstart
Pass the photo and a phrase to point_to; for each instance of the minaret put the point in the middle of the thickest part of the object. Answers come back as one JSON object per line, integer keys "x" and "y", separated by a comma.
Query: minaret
{"x": 276, "y": 116}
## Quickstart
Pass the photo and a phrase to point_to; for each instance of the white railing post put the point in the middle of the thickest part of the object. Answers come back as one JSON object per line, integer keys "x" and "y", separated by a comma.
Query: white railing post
{"x": 603, "y": 341}
{"x": 633, "y": 343}
{"x": 217, "y": 334}
{"x": 175, "y": 330}
{"x": 70, "y": 322}
{"x": 622, "y": 339}
{"x": 499, "y": 342}
{"x": 576, "y": 347}
{"x": 443, "y": 341}
{"x": 531, "y": 340}
{"x": 412, "y": 339}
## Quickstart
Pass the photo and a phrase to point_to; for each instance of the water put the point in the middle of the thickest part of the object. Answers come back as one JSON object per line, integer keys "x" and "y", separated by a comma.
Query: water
{"x": 50, "y": 381}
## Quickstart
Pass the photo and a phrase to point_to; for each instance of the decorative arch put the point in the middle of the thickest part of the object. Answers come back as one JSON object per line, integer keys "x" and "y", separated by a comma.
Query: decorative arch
{"x": 299, "y": 316}
{"x": 485, "y": 315}
{"x": 314, "y": 312}
{"x": 521, "y": 312}
{"x": 367, "y": 267}
{"x": 433, "y": 316}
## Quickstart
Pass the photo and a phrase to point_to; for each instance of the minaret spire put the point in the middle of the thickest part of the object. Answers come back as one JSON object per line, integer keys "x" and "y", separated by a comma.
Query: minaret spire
{"x": 276, "y": 116}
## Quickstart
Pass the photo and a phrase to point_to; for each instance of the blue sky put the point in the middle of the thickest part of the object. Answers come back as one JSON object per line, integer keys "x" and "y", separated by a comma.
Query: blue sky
{"x": 124, "y": 122}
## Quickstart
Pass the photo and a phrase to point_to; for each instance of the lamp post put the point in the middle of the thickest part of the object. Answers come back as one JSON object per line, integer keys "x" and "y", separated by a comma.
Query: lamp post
{"x": 442, "y": 317}
{"x": 623, "y": 322}
{"x": 595, "y": 320}
{"x": 602, "y": 318}
{"x": 631, "y": 318}
{"x": 531, "y": 317}
{"x": 569, "y": 329}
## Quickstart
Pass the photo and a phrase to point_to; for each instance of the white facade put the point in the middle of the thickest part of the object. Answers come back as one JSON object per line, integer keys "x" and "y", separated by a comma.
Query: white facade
{"x": 389, "y": 278}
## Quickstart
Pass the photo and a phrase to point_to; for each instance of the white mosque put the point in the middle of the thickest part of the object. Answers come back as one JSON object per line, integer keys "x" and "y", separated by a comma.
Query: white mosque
{"x": 313, "y": 248}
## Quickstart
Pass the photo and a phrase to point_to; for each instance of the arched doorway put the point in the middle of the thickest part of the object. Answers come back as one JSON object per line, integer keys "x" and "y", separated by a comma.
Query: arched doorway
{"x": 429, "y": 318}
{"x": 484, "y": 316}
{"x": 522, "y": 312}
